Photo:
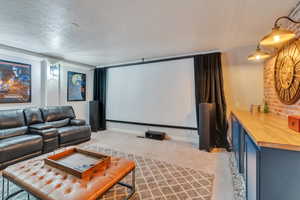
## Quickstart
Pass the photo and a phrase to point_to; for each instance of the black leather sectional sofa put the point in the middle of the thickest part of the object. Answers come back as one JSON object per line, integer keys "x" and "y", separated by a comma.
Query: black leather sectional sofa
{"x": 33, "y": 131}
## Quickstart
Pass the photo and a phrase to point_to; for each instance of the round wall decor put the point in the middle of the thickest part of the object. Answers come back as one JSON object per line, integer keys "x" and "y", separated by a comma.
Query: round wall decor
{"x": 287, "y": 73}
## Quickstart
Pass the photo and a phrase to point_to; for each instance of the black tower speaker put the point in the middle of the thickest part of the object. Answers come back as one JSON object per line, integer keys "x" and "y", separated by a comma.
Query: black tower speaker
{"x": 94, "y": 115}
{"x": 207, "y": 126}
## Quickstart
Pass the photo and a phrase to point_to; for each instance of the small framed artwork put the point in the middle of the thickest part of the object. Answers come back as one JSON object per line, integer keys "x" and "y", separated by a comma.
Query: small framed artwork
{"x": 15, "y": 82}
{"x": 76, "y": 86}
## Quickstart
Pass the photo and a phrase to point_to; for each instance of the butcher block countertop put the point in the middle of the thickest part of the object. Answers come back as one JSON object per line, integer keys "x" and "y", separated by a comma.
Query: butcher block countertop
{"x": 269, "y": 130}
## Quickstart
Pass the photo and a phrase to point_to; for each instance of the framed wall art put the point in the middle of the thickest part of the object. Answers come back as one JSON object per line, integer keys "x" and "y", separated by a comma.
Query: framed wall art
{"x": 76, "y": 86}
{"x": 15, "y": 82}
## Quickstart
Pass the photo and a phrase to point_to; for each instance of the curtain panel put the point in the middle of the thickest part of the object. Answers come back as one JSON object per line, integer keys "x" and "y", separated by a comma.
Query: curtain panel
{"x": 209, "y": 89}
{"x": 100, "y": 94}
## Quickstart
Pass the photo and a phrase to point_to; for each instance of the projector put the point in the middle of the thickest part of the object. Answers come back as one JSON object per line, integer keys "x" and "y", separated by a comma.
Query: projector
{"x": 156, "y": 135}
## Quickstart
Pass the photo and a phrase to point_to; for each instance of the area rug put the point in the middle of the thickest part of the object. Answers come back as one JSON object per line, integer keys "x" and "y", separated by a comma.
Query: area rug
{"x": 155, "y": 179}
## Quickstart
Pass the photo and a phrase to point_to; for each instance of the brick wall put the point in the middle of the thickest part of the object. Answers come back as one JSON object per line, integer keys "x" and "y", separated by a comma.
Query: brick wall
{"x": 270, "y": 94}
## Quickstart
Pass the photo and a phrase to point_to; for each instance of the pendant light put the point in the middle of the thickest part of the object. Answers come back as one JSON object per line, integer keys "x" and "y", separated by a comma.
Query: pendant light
{"x": 278, "y": 35}
{"x": 258, "y": 55}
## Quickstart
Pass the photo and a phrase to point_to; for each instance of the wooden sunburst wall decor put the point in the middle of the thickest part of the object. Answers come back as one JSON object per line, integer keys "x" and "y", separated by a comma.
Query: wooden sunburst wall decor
{"x": 287, "y": 73}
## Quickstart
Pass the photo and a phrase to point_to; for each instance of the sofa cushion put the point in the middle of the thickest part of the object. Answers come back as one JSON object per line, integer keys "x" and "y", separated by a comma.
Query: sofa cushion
{"x": 16, "y": 147}
{"x": 73, "y": 133}
{"x": 77, "y": 122}
{"x": 11, "y": 132}
{"x": 33, "y": 116}
{"x": 59, "y": 123}
{"x": 11, "y": 119}
{"x": 46, "y": 133}
{"x": 41, "y": 126}
{"x": 54, "y": 113}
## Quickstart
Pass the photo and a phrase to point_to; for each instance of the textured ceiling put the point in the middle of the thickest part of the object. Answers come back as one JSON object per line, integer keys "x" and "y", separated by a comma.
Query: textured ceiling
{"x": 111, "y": 31}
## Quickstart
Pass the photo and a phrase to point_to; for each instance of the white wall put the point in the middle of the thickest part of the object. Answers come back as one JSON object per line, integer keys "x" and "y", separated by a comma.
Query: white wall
{"x": 243, "y": 79}
{"x": 47, "y": 91}
{"x": 81, "y": 107}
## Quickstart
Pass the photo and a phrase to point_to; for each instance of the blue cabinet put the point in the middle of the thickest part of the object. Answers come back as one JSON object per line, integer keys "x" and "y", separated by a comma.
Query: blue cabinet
{"x": 235, "y": 139}
{"x": 252, "y": 169}
{"x": 243, "y": 152}
{"x": 270, "y": 173}
{"x": 238, "y": 144}
{"x": 279, "y": 174}
{"x": 247, "y": 155}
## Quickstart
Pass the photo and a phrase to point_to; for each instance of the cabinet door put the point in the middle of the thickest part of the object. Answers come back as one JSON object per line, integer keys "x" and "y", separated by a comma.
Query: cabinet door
{"x": 252, "y": 173}
{"x": 235, "y": 136}
{"x": 242, "y": 151}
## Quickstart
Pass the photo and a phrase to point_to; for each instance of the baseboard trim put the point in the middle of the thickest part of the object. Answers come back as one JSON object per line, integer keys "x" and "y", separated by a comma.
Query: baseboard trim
{"x": 154, "y": 125}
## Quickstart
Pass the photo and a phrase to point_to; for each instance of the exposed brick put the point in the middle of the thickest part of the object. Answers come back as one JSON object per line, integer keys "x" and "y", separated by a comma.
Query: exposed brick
{"x": 270, "y": 95}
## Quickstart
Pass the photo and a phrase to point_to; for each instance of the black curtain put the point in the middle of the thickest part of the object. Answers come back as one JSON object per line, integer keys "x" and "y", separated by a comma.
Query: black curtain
{"x": 209, "y": 89}
{"x": 100, "y": 94}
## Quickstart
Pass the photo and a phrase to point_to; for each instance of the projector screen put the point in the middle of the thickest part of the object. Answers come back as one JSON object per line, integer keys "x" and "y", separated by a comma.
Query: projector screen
{"x": 155, "y": 93}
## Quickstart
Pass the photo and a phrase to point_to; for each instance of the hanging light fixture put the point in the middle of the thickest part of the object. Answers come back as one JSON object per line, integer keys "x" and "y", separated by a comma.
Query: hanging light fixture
{"x": 278, "y": 35}
{"x": 258, "y": 55}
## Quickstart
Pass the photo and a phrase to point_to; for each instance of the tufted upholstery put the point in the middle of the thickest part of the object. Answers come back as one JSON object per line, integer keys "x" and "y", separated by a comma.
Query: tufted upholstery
{"x": 49, "y": 183}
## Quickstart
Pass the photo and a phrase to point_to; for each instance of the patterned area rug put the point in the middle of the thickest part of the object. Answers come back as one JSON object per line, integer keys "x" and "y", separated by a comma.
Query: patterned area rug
{"x": 155, "y": 179}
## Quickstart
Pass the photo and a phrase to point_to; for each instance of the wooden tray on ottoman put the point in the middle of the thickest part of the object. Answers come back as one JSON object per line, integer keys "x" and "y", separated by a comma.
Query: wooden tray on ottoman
{"x": 79, "y": 162}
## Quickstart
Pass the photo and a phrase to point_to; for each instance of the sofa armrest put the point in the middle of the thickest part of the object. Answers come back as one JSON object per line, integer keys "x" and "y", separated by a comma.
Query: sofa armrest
{"x": 45, "y": 133}
{"x": 41, "y": 126}
{"x": 77, "y": 122}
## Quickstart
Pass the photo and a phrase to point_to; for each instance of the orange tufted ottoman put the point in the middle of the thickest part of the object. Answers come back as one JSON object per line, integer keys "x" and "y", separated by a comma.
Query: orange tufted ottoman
{"x": 48, "y": 183}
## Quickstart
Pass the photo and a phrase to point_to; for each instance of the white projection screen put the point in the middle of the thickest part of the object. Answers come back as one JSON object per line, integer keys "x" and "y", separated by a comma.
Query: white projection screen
{"x": 156, "y": 93}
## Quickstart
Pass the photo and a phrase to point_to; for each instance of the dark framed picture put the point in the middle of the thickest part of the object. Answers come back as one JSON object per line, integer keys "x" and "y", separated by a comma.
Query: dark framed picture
{"x": 76, "y": 86}
{"x": 15, "y": 82}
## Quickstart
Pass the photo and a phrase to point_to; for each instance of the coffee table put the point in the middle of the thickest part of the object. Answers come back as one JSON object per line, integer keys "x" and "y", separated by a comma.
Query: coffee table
{"x": 48, "y": 183}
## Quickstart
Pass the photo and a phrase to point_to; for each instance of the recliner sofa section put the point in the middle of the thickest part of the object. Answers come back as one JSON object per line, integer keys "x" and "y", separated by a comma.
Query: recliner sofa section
{"x": 15, "y": 142}
{"x": 70, "y": 130}
{"x": 37, "y": 126}
{"x": 33, "y": 131}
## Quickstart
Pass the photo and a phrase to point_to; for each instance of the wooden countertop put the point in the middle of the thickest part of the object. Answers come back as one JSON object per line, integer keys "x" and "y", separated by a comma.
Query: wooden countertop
{"x": 269, "y": 130}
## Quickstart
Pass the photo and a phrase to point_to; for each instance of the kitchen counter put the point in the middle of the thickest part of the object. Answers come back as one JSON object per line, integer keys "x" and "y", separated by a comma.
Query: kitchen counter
{"x": 269, "y": 130}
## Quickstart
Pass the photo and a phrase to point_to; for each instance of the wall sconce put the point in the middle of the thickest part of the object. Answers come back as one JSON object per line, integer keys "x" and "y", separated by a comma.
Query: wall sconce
{"x": 258, "y": 55}
{"x": 54, "y": 71}
{"x": 278, "y": 35}
{"x": 276, "y": 38}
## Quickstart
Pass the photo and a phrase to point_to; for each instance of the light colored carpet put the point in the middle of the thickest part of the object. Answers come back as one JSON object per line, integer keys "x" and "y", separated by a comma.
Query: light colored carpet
{"x": 155, "y": 179}
{"x": 180, "y": 153}
{"x": 183, "y": 154}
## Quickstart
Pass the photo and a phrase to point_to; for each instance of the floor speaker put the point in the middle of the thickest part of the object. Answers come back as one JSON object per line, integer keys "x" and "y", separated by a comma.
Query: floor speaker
{"x": 207, "y": 126}
{"x": 94, "y": 115}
